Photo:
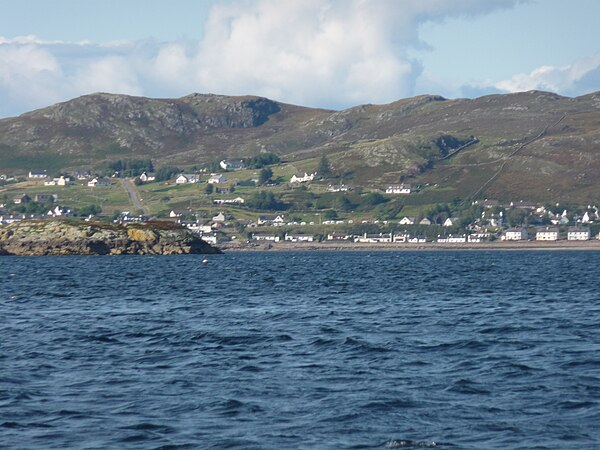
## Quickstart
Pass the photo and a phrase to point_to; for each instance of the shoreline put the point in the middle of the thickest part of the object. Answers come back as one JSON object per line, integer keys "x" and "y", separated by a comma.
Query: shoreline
{"x": 590, "y": 245}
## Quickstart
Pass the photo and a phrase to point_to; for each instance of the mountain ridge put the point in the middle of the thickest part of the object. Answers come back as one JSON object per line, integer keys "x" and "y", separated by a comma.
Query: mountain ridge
{"x": 408, "y": 139}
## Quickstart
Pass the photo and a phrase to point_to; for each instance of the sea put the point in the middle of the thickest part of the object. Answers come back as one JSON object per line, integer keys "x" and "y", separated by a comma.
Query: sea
{"x": 301, "y": 350}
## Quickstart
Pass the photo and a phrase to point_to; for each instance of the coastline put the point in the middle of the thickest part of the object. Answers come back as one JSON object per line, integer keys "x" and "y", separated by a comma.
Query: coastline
{"x": 590, "y": 245}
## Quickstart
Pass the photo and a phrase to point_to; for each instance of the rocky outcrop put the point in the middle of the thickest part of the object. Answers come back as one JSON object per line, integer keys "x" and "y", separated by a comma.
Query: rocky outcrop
{"x": 60, "y": 237}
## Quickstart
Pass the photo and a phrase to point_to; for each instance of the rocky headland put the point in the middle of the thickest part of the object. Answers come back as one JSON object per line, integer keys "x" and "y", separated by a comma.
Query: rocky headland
{"x": 63, "y": 237}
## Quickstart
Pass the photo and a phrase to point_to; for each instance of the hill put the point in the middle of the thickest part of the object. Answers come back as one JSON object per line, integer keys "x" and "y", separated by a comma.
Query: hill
{"x": 533, "y": 145}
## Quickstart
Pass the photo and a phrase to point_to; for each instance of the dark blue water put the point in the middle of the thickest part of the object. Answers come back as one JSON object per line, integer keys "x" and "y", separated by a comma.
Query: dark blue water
{"x": 468, "y": 350}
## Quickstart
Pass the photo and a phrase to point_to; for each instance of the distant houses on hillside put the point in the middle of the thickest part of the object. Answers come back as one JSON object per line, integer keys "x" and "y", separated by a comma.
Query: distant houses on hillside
{"x": 404, "y": 189}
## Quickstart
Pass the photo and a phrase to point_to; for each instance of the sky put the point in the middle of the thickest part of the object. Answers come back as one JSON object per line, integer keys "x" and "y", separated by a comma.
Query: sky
{"x": 321, "y": 53}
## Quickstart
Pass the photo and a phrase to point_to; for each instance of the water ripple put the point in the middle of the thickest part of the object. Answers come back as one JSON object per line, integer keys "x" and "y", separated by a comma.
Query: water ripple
{"x": 301, "y": 350}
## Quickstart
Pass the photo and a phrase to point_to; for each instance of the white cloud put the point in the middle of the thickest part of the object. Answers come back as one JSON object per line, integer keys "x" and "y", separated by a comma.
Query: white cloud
{"x": 575, "y": 79}
{"x": 327, "y": 53}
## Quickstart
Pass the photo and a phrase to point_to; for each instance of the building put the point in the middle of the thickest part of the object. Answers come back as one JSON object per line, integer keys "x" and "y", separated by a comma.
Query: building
{"x": 303, "y": 179}
{"x": 398, "y": 189}
{"x": 60, "y": 181}
{"x": 547, "y": 234}
{"x": 340, "y": 188}
{"x": 516, "y": 234}
{"x": 20, "y": 199}
{"x": 232, "y": 165}
{"x": 408, "y": 221}
{"x": 271, "y": 220}
{"x": 451, "y": 222}
{"x": 425, "y": 221}
{"x": 187, "y": 178}
{"x": 523, "y": 205}
{"x": 400, "y": 237}
{"x": 59, "y": 211}
{"x": 223, "y": 201}
{"x": 216, "y": 179}
{"x": 178, "y": 213}
{"x": 299, "y": 237}
{"x": 148, "y": 176}
{"x": 265, "y": 237}
{"x": 37, "y": 173}
{"x": 578, "y": 234}
{"x": 99, "y": 182}
{"x": 487, "y": 203}
{"x": 374, "y": 238}
{"x": 339, "y": 237}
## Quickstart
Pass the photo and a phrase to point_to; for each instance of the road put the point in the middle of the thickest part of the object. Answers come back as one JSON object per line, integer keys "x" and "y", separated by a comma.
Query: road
{"x": 134, "y": 196}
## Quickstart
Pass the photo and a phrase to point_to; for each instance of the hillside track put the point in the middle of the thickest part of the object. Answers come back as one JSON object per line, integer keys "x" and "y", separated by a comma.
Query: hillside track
{"x": 507, "y": 159}
{"x": 133, "y": 194}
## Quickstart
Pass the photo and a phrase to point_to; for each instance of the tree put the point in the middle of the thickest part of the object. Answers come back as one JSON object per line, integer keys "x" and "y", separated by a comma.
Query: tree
{"x": 265, "y": 175}
{"x": 166, "y": 173}
{"x": 265, "y": 201}
{"x": 324, "y": 168}
{"x": 261, "y": 160}
{"x": 208, "y": 189}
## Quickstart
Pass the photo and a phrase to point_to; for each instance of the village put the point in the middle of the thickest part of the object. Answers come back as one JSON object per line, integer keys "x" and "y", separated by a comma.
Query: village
{"x": 234, "y": 217}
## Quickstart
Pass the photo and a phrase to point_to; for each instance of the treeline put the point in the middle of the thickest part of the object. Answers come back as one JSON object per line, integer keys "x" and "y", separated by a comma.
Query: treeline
{"x": 131, "y": 167}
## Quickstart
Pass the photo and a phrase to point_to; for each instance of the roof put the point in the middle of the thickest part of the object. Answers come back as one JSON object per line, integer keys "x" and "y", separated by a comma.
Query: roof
{"x": 576, "y": 229}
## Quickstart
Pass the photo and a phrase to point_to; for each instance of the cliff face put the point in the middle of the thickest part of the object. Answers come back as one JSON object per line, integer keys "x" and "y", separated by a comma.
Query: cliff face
{"x": 57, "y": 237}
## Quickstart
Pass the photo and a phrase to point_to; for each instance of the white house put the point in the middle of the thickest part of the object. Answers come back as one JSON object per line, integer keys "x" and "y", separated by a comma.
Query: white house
{"x": 63, "y": 181}
{"x": 216, "y": 179}
{"x": 210, "y": 238}
{"x": 398, "y": 189}
{"x": 219, "y": 217}
{"x": 578, "y": 234}
{"x": 99, "y": 182}
{"x": 186, "y": 178}
{"x": 232, "y": 165}
{"x": 339, "y": 237}
{"x": 59, "y": 211}
{"x": 303, "y": 179}
{"x": 340, "y": 188}
{"x": 547, "y": 234}
{"x": 408, "y": 221}
{"x": 37, "y": 174}
{"x": 196, "y": 227}
{"x": 148, "y": 176}
{"x": 516, "y": 234}
{"x": 60, "y": 181}
{"x": 299, "y": 237}
{"x": 222, "y": 201}
{"x": 274, "y": 220}
{"x": 265, "y": 237}
{"x": 400, "y": 237}
{"x": 177, "y": 213}
{"x": 451, "y": 221}
{"x": 425, "y": 221}
{"x": 374, "y": 238}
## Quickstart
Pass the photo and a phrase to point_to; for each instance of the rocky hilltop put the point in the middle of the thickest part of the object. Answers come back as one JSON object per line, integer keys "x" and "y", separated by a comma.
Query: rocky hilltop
{"x": 60, "y": 237}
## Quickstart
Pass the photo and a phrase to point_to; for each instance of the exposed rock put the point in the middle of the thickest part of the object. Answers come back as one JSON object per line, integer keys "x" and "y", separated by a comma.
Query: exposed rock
{"x": 60, "y": 237}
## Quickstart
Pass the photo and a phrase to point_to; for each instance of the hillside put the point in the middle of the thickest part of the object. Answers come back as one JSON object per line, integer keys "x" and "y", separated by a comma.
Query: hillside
{"x": 534, "y": 145}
